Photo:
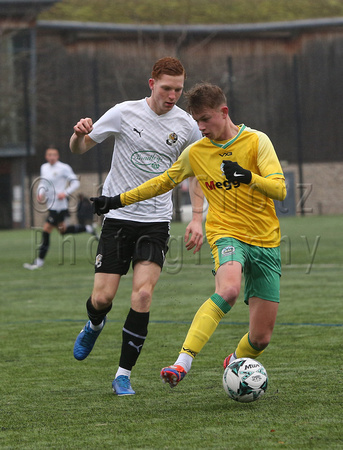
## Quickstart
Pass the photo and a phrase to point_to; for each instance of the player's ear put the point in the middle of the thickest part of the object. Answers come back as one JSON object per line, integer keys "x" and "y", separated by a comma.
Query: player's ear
{"x": 151, "y": 83}
{"x": 225, "y": 111}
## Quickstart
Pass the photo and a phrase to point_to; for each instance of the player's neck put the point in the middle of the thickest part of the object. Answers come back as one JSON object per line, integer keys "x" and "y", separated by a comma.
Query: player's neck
{"x": 231, "y": 130}
{"x": 156, "y": 108}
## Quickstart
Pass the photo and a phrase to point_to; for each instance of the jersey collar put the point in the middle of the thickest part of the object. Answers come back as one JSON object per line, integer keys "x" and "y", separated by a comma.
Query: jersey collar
{"x": 231, "y": 141}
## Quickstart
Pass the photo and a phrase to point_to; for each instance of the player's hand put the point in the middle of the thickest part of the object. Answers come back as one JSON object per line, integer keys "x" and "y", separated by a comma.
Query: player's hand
{"x": 83, "y": 126}
{"x": 194, "y": 236}
{"x": 102, "y": 204}
{"x": 234, "y": 172}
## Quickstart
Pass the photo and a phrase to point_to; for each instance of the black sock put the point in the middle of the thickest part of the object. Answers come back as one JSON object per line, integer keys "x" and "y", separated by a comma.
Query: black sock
{"x": 96, "y": 316}
{"x": 44, "y": 247}
{"x": 135, "y": 331}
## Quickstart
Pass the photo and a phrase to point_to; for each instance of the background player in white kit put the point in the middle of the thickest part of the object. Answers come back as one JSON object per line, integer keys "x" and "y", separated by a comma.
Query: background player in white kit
{"x": 139, "y": 233}
{"x": 56, "y": 183}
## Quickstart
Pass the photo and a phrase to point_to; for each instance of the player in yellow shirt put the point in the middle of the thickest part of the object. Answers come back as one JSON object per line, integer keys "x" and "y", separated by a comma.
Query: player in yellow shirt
{"x": 240, "y": 175}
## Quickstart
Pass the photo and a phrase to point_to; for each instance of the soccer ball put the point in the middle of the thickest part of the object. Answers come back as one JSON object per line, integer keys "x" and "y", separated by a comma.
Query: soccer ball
{"x": 245, "y": 380}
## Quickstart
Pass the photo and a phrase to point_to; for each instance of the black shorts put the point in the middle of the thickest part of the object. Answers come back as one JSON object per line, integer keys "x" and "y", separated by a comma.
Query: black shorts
{"x": 57, "y": 217}
{"x": 123, "y": 241}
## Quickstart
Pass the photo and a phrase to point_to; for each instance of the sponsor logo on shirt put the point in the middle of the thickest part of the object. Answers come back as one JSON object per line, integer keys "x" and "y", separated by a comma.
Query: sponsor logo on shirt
{"x": 151, "y": 162}
{"x": 212, "y": 185}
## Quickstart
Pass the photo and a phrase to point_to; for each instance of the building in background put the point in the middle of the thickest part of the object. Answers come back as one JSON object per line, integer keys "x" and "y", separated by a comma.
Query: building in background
{"x": 284, "y": 78}
{"x": 18, "y": 104}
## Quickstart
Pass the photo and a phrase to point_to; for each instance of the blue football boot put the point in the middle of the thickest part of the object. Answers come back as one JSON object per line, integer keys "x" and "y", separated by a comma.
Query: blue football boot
{"x": 86, "y": 340}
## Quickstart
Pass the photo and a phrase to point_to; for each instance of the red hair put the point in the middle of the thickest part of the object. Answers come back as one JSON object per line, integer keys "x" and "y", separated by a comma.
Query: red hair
{"x": 167, "y": 66}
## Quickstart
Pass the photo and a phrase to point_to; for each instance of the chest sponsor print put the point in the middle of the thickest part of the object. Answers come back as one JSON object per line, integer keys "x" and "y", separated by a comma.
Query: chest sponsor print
{"x": 151, "y": 161}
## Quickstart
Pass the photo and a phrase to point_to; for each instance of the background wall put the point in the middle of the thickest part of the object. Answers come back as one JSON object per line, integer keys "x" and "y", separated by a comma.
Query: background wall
{"x": 283, "y": 78}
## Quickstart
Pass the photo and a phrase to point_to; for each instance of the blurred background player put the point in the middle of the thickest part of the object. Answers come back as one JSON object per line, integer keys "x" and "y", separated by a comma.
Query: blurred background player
{"x": 149, "y": 135}
{"x": 240, "y": 175}
{"x": 57, "y": 182}
{"x": 84, "y": 211}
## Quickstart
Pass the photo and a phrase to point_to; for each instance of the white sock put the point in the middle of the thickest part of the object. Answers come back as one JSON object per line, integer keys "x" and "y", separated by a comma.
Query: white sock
{"x": 233, "y": 357}
{"x": 97, "y": 327}
{"x": 89, "y": 229}
{"x": 184, "y": 360}
{"x": 125, "y": 372}
{"x": 39, "y": 262}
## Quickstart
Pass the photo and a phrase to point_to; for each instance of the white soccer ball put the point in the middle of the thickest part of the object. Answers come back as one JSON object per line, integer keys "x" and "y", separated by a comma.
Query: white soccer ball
{"x": 245, "y": 380}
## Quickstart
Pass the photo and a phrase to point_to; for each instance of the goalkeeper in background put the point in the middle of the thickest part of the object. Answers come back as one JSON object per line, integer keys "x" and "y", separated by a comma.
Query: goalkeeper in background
{"x": 240, "y": 175}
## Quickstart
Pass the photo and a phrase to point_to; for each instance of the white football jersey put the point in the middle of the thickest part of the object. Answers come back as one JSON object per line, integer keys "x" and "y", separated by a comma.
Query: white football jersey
{"x": 56, "y": 179}
{"x": 145, "y": 145}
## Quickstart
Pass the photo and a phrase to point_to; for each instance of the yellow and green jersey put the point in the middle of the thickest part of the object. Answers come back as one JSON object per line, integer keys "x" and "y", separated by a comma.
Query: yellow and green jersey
{"x": 244, "y": 212}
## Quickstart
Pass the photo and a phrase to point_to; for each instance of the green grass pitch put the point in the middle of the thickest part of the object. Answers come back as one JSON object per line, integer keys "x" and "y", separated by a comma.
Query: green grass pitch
{"x": 50, "y": 400}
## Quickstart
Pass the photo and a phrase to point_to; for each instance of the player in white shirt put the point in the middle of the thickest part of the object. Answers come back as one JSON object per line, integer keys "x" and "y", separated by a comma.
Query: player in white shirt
{"x": 56, "y": 183}
{"x": 149, "y": 135}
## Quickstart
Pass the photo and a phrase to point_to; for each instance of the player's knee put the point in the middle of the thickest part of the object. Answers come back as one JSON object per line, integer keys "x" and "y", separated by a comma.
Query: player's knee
{"x": 101, "y": 300}
{"x": 143, "y": 298}
{"x": 230, "y": 294}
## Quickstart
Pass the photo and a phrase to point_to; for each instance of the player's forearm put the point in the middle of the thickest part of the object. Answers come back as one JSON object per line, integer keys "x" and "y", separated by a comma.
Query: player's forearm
{"x": 151, "y": 188}
{"x": 274, "y": 188}
{"x": 73, "y": 185}
{"x": 197, "y": 198}
{"x": 80, "y": 144}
